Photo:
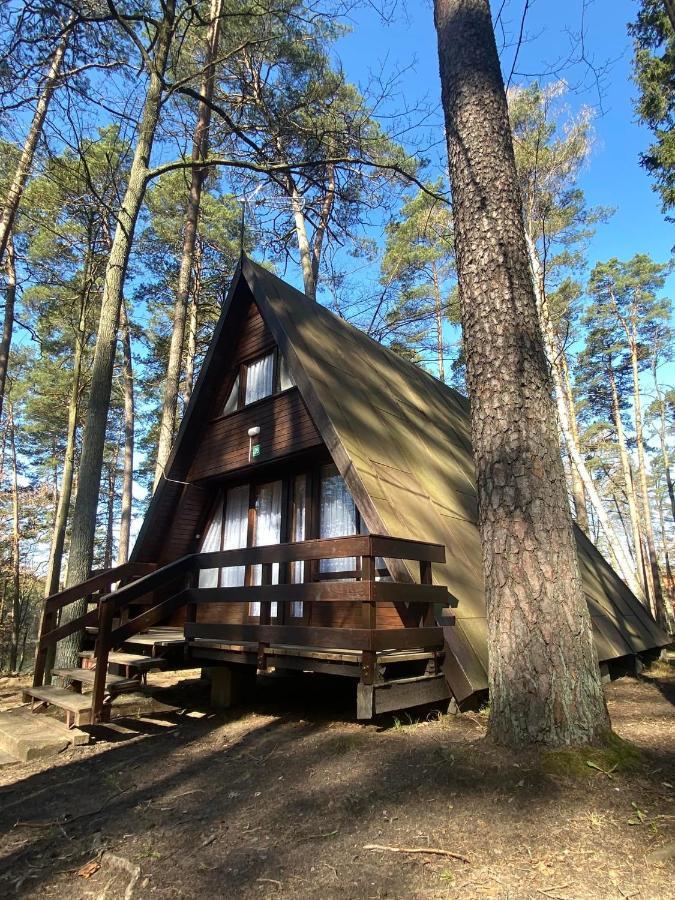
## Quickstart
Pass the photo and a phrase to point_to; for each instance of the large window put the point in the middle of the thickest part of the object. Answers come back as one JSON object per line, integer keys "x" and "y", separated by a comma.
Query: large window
{"x": 267, "y": 530}
{"x": 258, "y": 379}
{"x": 337, "y": 516}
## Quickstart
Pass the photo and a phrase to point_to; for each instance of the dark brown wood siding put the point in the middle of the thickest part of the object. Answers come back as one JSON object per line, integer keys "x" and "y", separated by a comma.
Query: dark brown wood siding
{"x": 285, "y": 429}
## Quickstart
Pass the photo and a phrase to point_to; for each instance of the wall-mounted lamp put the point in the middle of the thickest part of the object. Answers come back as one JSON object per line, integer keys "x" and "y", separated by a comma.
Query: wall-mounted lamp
{"x": 253, "y": 448}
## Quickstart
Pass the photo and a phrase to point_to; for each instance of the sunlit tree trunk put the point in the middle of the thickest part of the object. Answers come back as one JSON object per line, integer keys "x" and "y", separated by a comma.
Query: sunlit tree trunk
{"x": 661, "y": 613}
{"x": 111, "y": 495}
{"x": 200, "y": 146}
{"x": 543, "y": 671}
{"x": 578, "y": 489}
{"x": 624, "y": 564}
{"x": 16, "y": 546}
{"x": 18, "y": 182}
{"x": 91, "y": 461}
{"x": 438, "y": 317}
{"x": 53, "y": 576}
{"x": 8, "y": 323}
{"x": 193, "y": 322}
{"x": 128, "y": 465}
{"x": 628, "y": 481}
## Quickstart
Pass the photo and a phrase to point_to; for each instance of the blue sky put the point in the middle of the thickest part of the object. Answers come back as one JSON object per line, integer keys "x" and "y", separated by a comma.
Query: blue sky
{"x": 613, "y": 177}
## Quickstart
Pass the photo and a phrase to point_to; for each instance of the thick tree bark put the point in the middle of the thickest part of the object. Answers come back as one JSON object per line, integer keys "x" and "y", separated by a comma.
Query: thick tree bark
{"x": 543, "y": 670}
{"x": 128, "y": 465}
{"x": 624, "y": 564}
{"x": 11, "y": 201}
{"x": 8, "y": 323}
{"x": 91, "y": 461}
{"x": 628, "y": 481}
{"x": 200, "y": 144}
{"x": 661, "y": 613}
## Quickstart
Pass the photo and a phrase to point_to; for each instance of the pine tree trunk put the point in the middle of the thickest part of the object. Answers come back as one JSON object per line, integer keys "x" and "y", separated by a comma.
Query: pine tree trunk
{"x": 109, "y": 545}
{"x": 663, "y": 442}
{"x": 91, "y": 461}
{"x": 53, "y": 576}
{"x": 438, "y": 316}
{"x": 200, "y": 145}
{"x": 578, "y": 489}
{"x": 8, "y": 324}
{"x": 128, "y": 469}
{"x": 322, "y": 224}
{"x": 543, "y": 669}
{"x": 303, "y": 241}
{"x": 629, "y": 483}
{"x": 20, "y": 176}
{"x": 16, "y": 548}
{"x": 661, "y": 613}
{"x": 624, "y": 564}
{"x": 193, "y": 323}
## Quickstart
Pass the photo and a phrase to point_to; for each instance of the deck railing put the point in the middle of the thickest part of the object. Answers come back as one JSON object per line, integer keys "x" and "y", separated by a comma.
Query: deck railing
{"x": 415, "y": 601}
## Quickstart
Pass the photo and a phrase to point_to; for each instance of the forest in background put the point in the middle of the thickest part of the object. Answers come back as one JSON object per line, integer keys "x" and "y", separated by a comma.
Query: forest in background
{"x": 144, "y": 145}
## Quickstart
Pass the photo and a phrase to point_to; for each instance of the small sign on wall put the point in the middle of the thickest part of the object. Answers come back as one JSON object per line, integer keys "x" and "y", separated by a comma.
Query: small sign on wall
{"x": 255, "y": 451}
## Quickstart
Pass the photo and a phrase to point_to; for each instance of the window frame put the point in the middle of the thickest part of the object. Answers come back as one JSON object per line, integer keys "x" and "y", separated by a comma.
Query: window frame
{"x": 241, "y": 372}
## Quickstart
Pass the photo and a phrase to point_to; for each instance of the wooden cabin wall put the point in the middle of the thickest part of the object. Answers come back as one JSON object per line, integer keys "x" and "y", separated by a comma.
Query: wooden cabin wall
{"x": 221, "y": 449}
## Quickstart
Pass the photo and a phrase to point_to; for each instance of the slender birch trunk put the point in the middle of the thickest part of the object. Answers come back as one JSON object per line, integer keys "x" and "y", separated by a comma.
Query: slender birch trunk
{"x": 128, "y": 466}
{"x": 20, "y": 176}
{"x": 661, "y": 613}
{"x": 8, "y": 324}
{"x": 543, "y": 670}
{"x": 625, "y": 568}
{"x": 663, "y": 442}
{"x": 628, "y": 481}
{"x": 200, "y": 147}
{"x": 91, "y": 462}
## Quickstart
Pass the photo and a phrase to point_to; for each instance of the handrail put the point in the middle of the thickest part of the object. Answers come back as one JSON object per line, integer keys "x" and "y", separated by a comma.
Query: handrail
{"x": 95, "y": 583}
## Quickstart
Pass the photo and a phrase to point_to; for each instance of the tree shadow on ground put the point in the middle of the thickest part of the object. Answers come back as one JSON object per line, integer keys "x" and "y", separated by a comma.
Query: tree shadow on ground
{"x": 282, "y": 792}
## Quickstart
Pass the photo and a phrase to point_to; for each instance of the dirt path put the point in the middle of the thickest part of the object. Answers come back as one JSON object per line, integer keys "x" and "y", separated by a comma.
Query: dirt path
{"x": 280, "y": 800}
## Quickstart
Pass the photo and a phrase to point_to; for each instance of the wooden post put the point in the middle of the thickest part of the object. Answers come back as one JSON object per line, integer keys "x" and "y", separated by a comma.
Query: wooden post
{"x": 429, "y": 617}
{"x": 106, "y": 609}
{"x": 191, "y": 581}
{"x": 265, "y": 614}
{"x": 368, "y": 617}
{"x": 41, "y": 669}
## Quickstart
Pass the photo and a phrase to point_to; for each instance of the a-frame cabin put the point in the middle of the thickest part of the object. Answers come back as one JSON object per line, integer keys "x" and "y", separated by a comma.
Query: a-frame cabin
{"x": 318, "y": 512}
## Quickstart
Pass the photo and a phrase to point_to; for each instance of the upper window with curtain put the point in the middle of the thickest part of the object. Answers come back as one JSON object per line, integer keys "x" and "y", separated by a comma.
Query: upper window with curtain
{"x": 258, "y": 379}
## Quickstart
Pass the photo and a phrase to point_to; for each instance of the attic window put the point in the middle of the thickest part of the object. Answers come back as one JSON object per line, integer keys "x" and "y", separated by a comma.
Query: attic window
{"x": 258, "y": 379}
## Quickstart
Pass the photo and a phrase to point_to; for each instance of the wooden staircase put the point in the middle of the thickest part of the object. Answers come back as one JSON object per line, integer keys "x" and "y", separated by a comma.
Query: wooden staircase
{"x": 115, "y": 665}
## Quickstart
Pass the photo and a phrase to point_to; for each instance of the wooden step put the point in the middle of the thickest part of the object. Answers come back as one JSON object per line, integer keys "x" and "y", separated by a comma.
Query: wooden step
{"x": 76, "y": 706}
{"x": 114, "y": 684}
{"x": 136, "y": 661}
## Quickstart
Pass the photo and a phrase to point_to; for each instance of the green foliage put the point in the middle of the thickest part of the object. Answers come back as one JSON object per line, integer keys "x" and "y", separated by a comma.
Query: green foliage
{"x": 654, "y": 74}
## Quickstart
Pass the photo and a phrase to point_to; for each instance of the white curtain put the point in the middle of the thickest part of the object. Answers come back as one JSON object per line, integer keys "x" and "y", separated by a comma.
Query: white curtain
{"x": 234, "y": 536}
{"x": 285, "y": 378}
{"x": 211, "y": 541}
{"x": 298, "y": 568}
{"x": 233, "y": 399}
{"x": 337, "y": 516}
{"x": 267, "y": 531}
{"x": 259, "y": 379}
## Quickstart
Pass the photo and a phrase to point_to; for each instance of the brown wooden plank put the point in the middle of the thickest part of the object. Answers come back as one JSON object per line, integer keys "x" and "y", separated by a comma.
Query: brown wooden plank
{"x": 331, "y": 548}
{"x": 407, "y": 638}
{"x": 395, "y": 592}
{"x": 319, "y": 592}
{"x": 347, "y": 638}
{"x": 148, "y": 618}
{"x": 96, "y": 583}
{"x": 56, "y": 634}
{"x": 402, "y": 548}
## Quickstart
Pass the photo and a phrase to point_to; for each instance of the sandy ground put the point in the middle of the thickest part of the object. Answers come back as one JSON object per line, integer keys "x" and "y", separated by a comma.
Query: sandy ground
{"x": 282, "y": 798}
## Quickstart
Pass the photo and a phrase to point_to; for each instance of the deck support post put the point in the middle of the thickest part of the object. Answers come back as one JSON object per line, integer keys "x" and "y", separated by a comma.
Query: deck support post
{"x": 106, "y": 611}
{"x": 229, "y": 684}
{"x": 368, "y": 618}
{"x": 265, "y": 615}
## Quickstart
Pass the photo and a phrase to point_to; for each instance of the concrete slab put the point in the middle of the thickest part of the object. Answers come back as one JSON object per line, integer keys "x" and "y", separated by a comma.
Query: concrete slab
{"x": 28, "y": 736}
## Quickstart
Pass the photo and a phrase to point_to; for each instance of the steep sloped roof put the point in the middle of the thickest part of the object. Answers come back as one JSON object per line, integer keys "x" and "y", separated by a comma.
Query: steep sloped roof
{"x": 401, "y": 440}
